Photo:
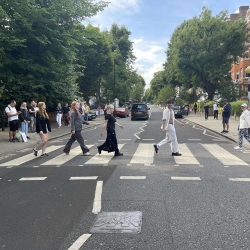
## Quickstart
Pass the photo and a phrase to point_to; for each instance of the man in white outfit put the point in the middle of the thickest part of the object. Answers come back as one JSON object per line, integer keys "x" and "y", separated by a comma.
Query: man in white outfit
{"x": 167, "y": 127}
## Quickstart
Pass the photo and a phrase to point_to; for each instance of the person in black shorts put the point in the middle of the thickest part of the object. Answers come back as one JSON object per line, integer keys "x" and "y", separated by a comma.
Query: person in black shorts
{"x": 225, "y": 116}
{"x": 12, "y": 114}
{"x": 42, "y": 128}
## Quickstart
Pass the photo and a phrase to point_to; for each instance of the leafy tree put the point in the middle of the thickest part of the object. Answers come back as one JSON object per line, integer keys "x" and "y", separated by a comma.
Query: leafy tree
{"x": 166, "y": 93}
{"x": 202, "y": 50}
{"x": 158, "y": 82}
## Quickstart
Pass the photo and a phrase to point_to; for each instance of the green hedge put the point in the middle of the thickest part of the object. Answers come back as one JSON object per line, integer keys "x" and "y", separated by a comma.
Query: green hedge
{"x": 236, "y": 108}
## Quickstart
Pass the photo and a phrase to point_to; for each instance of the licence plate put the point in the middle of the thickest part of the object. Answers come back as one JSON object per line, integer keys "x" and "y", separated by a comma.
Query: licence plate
{"x": 175, "y": 112}
{"x": 138, "y": 112}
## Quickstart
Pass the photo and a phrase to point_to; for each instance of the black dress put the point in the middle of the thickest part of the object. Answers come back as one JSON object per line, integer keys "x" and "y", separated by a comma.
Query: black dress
{"x": 42, "y": 124}
{"x": 110, "y": 144}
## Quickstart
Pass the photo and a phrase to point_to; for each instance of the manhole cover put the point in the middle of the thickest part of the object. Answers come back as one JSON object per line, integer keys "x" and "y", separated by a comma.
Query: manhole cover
{"x": 118, "y": 222}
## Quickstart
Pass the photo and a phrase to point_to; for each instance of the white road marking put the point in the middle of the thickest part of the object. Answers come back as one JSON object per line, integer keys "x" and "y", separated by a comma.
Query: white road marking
{"x": 205, "y": 133}
{"x": 101, "y": 140}
{"x": 75, "y": 178}
{"x": 223, "y": 155}
{"x": 137, "y": 136}
{"x": 80, "y": 165}
{"x": 176, "y": 165}
{"x": 132, "y": 177}
{"x": 62, "y": 158}
{"x": 187, "y": 157}
{"x": 103, "y": 158}
{"x": 97, "y": 206}
{"x": 23, "y": 159}
{"x": 144, "y": 154}
{"x": 79, "y": 242}
{"x": 124, "y": 139}
{"x": 33, "y": 179}
{"x": 35, "y": 166}
{"x": 239, "y": 179}
{"x": 148, "y": 139}
{"x": 194, "y": 139}
{"x": 185, "y": 178}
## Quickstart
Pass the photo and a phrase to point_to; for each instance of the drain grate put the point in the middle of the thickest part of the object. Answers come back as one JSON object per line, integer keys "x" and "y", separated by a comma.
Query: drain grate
{"x": 118, "y": 222}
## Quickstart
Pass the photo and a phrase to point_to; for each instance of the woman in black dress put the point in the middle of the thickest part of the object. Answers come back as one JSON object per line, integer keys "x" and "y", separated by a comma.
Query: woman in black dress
{"x": 42, "y": 128}
{"x": 110, "y": 144}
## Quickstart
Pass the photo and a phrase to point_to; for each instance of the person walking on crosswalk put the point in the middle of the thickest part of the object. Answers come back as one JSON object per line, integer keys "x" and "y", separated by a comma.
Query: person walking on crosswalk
{"x": 243, "y": 126}
{"x": 110, "y": 144}
{"x": 167, "y": 127}
{"x": 42, "y": 128}
{"x": 76, "y": 130}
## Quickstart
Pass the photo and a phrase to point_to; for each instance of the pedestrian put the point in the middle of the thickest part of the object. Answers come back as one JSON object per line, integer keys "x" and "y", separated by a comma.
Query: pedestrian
{"x": 110, "y": 144}
{"x": 32, "y": 112}
{"x": 216, "y": 108}
{"x": 206, "y": 108}
{"x": 243, "y": 126}
{"x": 42, "y": 128}
{"x": 195, "y": 107}
{"x": 24, "y": 117}
{"x": 167, "y": 127}
{"x": 86, "y": 110}
{"x": 226, "y": 112}
{"x": 59, "y": 112}
{"x": 76, "y": 130}
{"x": 12, "y": 114}
{"x": 66, "y": 111}
{"x": 99, "y": 111}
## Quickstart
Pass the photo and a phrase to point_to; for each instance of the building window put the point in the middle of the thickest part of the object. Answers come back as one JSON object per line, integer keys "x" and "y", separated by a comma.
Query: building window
{"x": 241, "y": 75}
{"x": 237, "y": 75}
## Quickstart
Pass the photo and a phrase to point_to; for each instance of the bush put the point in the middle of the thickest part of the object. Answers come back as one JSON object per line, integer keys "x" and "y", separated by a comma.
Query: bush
{"x": 236, "y": 108}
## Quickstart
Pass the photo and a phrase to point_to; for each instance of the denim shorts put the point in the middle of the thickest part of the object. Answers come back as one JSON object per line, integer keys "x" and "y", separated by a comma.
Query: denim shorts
{"x": 225, "y": 119}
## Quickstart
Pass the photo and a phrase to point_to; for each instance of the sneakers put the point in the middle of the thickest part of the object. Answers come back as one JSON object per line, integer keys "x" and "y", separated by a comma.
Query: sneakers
{"x": 12, "y": 140}
{"x": 35, "y": 151}
{"x": 226, "y": 131}
{"x": 176, "y": 154}
{"x": 223, "y": 131}
{"x": 28, "y": 137}
{"x": 88, "y": 153}
{"x": 156, "y": 148}
{"x": 237, "y": 147}
{"x": 118, "y": 154}
{"x": 46, "y": 154}
{"x": 99, "y": 150}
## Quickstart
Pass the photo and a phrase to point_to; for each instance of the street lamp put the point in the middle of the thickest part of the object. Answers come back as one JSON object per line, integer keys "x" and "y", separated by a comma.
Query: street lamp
{"x": 114, "y": 81}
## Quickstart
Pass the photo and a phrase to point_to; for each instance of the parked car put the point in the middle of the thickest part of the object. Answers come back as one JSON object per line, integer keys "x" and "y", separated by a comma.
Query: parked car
{"x": 91, "y": 115}
{"x": 177, "y": 111}
{"x": 121, "y": 112}
{"x": 139, "y": 111}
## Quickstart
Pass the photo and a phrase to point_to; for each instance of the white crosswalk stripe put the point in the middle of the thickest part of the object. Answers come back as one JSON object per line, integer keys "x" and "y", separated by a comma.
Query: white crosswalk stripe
{"x": 103, "y": 158}
{"x": 62, "y": 158}
{"x": 144, "y": 154}
{"x": 223, "y": 155}
{"x": 187, "y": 157}
{"x": 23, "y": 159}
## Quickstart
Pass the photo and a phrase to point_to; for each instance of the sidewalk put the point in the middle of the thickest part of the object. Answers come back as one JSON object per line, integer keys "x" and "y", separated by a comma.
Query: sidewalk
{"x": 216, "y": 126}
{"x": 10, "y": 147}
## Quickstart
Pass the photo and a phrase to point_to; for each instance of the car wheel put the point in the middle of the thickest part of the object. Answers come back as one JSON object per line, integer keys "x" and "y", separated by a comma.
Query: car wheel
{"x": 132, "y": 119}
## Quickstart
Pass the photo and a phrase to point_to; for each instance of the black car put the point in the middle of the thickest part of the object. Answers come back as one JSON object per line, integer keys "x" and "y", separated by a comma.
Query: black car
{"x": 139, "y": 111}
{"x": 177, "y": 111}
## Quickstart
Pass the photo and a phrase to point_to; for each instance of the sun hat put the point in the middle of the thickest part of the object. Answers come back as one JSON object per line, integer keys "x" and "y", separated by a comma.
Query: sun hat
{"x": 244, "y": 105}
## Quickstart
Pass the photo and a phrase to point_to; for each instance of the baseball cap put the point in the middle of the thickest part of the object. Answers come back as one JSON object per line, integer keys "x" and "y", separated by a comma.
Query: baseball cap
{"x": 225, "y": 100}
{"x": 243, "y": 105}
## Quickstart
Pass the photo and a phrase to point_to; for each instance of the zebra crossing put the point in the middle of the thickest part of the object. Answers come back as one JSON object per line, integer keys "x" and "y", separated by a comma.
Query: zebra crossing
{"x": 142, "y": 153}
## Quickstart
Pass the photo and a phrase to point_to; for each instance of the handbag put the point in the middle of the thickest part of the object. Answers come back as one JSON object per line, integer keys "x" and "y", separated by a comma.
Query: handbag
{"x": 19, "y": 136}
{"x": 24, "y": 137}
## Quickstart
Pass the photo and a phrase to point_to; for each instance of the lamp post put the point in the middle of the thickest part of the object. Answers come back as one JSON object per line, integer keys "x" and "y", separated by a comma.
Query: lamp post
{"x": 114, "y": 82}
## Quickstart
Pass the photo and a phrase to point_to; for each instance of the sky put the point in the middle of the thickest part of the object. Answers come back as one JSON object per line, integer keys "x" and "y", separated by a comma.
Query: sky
{"x": 152, "y": 23}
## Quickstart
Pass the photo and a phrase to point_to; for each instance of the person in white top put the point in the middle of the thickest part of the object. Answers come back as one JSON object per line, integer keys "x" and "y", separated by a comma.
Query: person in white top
{"x": 167, "y": 127}
{"x": 12, "y": 119}
{"x": 216, "y": 108}
{"x": 243, "y": 126}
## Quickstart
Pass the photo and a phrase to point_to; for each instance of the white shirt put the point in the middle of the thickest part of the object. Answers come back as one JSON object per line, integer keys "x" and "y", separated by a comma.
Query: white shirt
{"x": 11, "y": 110}
{"x": 215, "y": 106}
{"x": 166, "y": 116}
{"x": 245, "y": 119}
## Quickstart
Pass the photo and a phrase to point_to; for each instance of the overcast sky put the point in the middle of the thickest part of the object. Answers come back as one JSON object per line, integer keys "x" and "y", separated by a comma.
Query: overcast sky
{"x": 152, "y": 23}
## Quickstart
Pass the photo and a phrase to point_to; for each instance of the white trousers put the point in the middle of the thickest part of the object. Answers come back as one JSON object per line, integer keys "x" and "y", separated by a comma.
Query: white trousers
{"x": 170, "y": 136}
{"x": 59, "y": 119}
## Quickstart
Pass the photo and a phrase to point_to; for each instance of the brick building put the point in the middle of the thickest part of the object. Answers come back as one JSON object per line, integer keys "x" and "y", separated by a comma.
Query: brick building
{"x": 238, "y": 70}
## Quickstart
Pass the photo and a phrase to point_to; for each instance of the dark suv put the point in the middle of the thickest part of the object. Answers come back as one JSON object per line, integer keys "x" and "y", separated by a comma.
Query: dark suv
{"x": 139, "y": 111}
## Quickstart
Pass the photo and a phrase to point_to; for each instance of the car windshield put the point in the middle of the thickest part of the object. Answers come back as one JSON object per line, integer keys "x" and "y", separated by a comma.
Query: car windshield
{"x": 141, "y": 107}
{"x": 176, "y": 107}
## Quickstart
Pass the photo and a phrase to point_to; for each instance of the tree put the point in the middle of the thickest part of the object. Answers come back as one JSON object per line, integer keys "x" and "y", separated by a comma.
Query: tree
{"x": 202, "y": 50}
{"x": 166, "y": 93}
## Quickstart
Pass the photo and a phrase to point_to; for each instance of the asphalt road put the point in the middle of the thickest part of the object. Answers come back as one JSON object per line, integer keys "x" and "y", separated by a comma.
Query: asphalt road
{"x": 197, "y": 201}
